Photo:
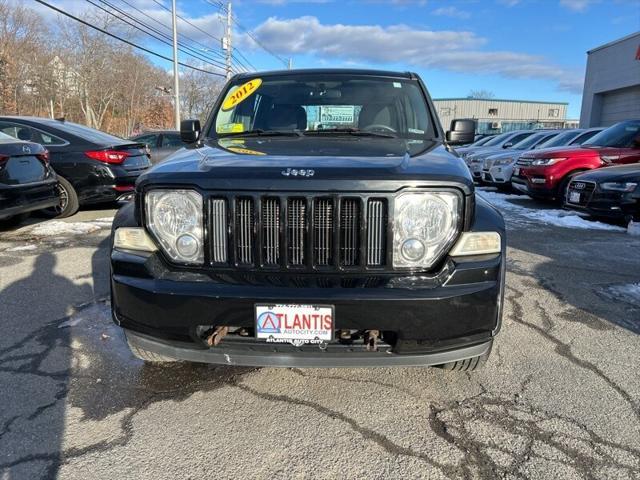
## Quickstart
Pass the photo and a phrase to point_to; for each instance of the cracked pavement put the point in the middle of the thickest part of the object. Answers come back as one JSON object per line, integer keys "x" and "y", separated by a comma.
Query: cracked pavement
{"x": 559, "y": 397}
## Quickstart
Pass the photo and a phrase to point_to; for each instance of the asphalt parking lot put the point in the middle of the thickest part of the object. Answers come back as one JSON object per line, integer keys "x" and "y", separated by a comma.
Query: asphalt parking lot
{"x": 559, "y": 398}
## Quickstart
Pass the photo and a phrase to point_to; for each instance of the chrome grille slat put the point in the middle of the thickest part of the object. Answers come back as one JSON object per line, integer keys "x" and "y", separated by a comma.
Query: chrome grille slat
{"x": 323, "y": 231}
{"x": 219, "y": 230}
{"x": 349, "y": 232}
{"x": 244, "y": 230}
{"x": 271, "y": 231}
{"x": 296, "y": 213}
{"x": 376, "y": 232}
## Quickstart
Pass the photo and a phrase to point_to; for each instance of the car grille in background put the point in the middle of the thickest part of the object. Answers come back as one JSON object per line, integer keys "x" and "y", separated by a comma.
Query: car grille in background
{"x": 585, "y": 187}
{"x": 278, "y": 232}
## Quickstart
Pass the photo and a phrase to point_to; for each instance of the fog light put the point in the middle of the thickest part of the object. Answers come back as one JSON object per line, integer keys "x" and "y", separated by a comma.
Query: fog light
{"x": 133, "y": 238}
{"x": 477, "y": 243}
{"x": 413, "y": 249}
{"x": 187, "y": 245}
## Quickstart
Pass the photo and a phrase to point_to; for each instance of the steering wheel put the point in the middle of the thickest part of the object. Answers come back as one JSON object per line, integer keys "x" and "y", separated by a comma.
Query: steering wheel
{"x": 378, "y": 126}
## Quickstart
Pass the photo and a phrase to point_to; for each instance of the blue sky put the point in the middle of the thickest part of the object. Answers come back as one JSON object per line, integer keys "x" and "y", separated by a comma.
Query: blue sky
{"x": 524, "y": 49}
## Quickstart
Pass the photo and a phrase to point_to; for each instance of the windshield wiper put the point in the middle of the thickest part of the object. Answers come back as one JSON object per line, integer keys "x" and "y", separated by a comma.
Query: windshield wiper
{"x": 258, "y": 132}
{"x": 349, "y": 131}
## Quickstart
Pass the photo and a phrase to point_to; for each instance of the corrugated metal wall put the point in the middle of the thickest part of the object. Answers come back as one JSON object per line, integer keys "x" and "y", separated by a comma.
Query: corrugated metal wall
{"x": 510, "y": 112}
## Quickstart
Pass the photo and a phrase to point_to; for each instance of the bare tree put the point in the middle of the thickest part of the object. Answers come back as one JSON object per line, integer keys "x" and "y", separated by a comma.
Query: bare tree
{"x": 481, "y": 94}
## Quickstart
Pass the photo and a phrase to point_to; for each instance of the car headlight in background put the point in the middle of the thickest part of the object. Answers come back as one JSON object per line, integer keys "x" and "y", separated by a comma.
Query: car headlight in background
{"x": 547, "y": 161}
{"x": 175, "y": 219}
{"x": 619, "y": 186}
{"x": 424, "y": 226}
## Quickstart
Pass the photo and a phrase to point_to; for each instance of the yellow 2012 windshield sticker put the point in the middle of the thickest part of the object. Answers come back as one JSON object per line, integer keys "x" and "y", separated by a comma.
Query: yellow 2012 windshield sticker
{"x": 241, "y": 93}
{"x": 230, "y": 128}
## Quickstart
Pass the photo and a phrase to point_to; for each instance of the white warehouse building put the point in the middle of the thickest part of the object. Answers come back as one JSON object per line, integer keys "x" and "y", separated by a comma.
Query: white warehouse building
{"x": 612, "y": 83}
{"x": 496, "y": 116}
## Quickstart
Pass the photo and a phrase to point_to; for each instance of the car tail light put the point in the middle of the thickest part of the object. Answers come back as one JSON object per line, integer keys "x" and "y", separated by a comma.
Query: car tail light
{"x": 115, "y": 157}
{"x": 3, "y": 159}
{"x": 43, "y": 157}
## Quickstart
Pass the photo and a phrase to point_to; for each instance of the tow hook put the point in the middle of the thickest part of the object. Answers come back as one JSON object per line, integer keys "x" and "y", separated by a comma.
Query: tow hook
{"x": 371, "y": 340}
{"x": 216, "y": 337}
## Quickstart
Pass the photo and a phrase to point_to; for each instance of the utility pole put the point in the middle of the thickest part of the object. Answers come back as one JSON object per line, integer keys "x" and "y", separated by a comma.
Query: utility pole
{"x": 176, "y": 80}
{"x": 290, "y": 63}
{"x": 226, "y": 44}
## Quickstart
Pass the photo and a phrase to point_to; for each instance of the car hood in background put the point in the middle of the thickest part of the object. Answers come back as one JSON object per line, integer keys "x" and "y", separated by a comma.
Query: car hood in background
{"x": 622, "y": 173}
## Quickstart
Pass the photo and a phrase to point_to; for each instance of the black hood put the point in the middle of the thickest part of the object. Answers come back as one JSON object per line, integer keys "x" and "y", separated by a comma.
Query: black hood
{"x": 622, "y": 173}
{"x": 338, "y": 162}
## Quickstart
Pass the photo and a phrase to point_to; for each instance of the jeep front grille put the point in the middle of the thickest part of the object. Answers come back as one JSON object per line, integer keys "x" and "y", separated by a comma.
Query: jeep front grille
{"x": 316, "y": 232}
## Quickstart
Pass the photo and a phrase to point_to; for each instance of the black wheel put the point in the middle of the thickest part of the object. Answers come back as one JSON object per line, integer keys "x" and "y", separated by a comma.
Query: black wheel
{"x": 468, "y": 365}
{"x": 147, "y": 356}
{"x": 69, "y": 203}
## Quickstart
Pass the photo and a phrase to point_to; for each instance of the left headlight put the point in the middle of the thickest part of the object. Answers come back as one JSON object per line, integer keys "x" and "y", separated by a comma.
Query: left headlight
{"x": 175, "y": 219}
{"x": 547, "y": 161}
{"x": 619, "y": 186}
{"x": 425, "y": 224}
{"x": 504, "y": 161}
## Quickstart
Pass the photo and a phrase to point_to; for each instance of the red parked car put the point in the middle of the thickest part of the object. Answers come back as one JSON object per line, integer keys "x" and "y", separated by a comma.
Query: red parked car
{"x": 546, "y": 174}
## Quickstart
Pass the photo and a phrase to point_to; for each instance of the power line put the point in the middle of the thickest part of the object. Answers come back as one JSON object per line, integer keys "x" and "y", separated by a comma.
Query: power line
{"x": 166, "y": 39}
{"x": 123, "y": 40}
{"x": 249, "y": 33}
{"x": 204, "y": 47}
{"x": 199, "y": 29}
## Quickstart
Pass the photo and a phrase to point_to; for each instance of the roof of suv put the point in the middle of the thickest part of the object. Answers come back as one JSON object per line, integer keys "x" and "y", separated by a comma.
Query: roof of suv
{"x": 321, "y": 71}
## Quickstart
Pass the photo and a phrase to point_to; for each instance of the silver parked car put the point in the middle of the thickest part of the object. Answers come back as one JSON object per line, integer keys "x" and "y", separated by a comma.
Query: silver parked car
{"x": 161, "y": 143}
{"x": 497, "y": 169}
{"x": 503, "y": 141}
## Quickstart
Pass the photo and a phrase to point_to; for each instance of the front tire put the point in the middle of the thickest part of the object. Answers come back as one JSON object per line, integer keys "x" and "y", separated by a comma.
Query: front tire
{"x": 469, "y": 364}
{"x": 147, "y": 356}
{"x": 69, "y": 203}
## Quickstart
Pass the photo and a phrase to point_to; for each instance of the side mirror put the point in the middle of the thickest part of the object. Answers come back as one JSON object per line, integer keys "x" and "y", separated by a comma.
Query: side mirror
{"x": 507, "y": 145}
{"x": 462, "y": 131}
{"x": 190, "y": 131}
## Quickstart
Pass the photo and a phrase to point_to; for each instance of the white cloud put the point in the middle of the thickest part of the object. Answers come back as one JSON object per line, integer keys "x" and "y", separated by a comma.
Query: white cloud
{"x": 452, "y": 12}
{"x": 457, "y": 51}
{"x": 577, "y": 5}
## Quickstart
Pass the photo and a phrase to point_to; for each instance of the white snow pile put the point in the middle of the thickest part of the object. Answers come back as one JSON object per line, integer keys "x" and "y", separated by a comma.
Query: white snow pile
{"x": 54, "y": 228}
{"x": 22, "y": 248}
{"x": 555, "y": 217}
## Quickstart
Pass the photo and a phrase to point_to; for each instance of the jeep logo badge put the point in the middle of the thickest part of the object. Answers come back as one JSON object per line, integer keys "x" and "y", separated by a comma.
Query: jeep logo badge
{"x": 579, "y": 186}
{"x": 294, "y": 172}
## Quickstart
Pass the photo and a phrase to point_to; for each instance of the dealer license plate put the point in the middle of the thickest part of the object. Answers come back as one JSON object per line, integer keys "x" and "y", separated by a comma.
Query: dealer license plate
{"x": 295, "y": 324}
{"x": 574, "y": 197}
{"x": 516, "y": 171}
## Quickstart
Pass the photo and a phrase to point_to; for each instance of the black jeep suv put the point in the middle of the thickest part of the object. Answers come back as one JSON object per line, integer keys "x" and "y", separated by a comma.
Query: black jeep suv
{"x": 319, "y": 219}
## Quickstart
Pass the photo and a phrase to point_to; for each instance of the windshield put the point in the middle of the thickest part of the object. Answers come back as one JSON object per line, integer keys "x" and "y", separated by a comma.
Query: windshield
{"x": 482, "y": 141}
{"x": 497, "y": 140}
{"x": 325, "y": 104}
{"x": 621, "y": 135}
{"x": 4, "y": 136}
{"x": 86, "y": 133}
{"x": 560, "y": 140}
{"x": 530, "y": 141}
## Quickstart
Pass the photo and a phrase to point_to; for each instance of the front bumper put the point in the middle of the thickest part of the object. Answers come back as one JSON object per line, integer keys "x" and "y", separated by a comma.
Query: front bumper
{"x": 18, "y": 199}
{"x": 449, "y": 316}
{"x": 614, "y": 205}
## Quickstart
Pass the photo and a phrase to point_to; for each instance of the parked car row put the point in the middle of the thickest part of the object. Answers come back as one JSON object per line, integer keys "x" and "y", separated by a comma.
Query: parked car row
{"x": 56, "y": 166}
{"x": 594, "y": 171}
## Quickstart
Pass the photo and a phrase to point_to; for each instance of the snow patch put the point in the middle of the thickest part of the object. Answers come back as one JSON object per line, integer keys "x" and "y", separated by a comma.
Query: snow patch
{"x": 22, "y": 248}
{"x": 58, "y": 228}
{"x": 554, "y": 217}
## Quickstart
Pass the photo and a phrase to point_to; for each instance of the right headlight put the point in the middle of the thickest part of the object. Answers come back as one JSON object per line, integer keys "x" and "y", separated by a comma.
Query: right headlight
{"x": 175, "y": 219}
{"x": 425, "y": 224}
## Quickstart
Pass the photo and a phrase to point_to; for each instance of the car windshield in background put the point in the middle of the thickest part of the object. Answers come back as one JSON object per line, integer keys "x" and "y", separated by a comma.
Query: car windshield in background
{"x": 86, "y": 133}
{"x": 325, "y": 104}
{"x": 529, "y": 142}
{"x": 622, "y": 135}
{"x": 559, "y": 140}
{"x": 4, "y": 136}
{"x": 497, "y": 140}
